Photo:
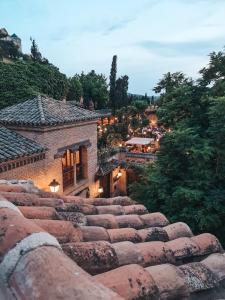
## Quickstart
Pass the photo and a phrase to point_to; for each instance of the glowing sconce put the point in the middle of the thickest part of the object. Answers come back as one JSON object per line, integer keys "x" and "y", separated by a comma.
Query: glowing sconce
{"x": 119, "y": 174}
{"x": 100, "y": 190}
{"x": 54, "y": 186}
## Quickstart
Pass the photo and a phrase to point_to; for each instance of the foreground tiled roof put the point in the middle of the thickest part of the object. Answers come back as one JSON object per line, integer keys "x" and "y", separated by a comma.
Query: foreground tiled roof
{"x": 43, "y": 110}
{"x": 112, "y": 249}
{"x": 14, "y": 145}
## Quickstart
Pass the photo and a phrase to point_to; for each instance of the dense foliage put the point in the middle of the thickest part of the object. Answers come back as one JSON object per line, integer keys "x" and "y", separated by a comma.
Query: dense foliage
{"x": 22, "y": 80}
{"x": 118, "y": 88}
{"x": 112, "y": 84}
{"x": 95, "y": 89}
{"x": 75, "y": 91}
{"x": 92, "y": 87}
{"x": 188, "y": 180}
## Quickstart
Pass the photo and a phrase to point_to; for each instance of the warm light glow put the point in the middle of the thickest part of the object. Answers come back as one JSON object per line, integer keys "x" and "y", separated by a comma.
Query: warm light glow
{"x": 119, "y": 174}
{"x": 120, "y": 145}
{"x": 100, "y": 190}
{"x": 54, "y": 186}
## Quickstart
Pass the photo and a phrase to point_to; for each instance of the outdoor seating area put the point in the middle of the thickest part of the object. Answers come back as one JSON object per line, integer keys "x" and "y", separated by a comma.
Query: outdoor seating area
{"x": 140, "y": 145}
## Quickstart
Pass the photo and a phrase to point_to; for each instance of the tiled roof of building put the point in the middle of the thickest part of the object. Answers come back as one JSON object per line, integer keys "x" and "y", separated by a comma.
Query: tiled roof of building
{"x": 44, "y": 111}
{"x": 107, "y": 167}
{"x": 14, "y": 145}
{"x": 111, "y": 249}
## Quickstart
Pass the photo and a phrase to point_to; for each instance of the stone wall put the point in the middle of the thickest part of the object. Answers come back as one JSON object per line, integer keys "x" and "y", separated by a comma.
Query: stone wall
{"x": 42, "y": 173}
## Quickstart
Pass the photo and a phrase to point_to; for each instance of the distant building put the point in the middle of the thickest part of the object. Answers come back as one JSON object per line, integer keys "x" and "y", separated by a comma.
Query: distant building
{"x": 4, "y": 36}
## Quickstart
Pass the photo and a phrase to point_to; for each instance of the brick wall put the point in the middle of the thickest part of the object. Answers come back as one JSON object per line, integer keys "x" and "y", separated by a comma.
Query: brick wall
{"x": 42, "y": 173}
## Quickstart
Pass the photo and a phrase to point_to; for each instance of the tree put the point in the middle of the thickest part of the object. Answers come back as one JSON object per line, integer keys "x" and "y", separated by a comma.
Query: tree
{"x": 112, "y": 84}
{"x": 121, "y": 98}
{"x": 169, "y": 82}
{"x": 75, "y": 91}
{"x": 213, "y": 75}
{"x": 35, "y": 54}
{"x": 187, "y": 182}
{"x": 95, "y": 89}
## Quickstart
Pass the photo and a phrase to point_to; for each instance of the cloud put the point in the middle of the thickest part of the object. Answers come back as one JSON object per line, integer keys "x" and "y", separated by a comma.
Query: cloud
{"x": 117, "y": 26}
{"x": 171, "y": 49}
{"x": 150, "y": 37}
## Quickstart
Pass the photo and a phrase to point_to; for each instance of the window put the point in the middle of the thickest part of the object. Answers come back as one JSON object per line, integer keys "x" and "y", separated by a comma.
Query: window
{"x": 79, "y": 164}
{"x": 68, "y": 168}
{"x": 74, "y": 161}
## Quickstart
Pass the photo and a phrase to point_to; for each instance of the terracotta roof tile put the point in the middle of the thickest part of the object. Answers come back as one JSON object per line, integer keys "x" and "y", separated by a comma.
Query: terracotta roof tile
{"x": 93, "y": 257}
{"x": 28, "y": 199}
{"x": 153, "y": 234}
{"x": 46, "y": 273}
{"x": 86, "y": 209}
{"x": 76, "y": 218}
{"x": 207, "y": 243}
{"x": 170, "y": 281}
{"x": 120, "y": 200}
{"x": 73, "y": 199}
{"x": 14, "y": 228}
{"x": 132, "y": 221}
{"x": 94, "y": 233}
{"x": 127, "y": 253}
{"x": 16, "y": 197}
{"x": 33, "y": 273}
{"x": 183, "y": 247}
{"x": 216, "y": 262}
{"x": 108, "y": 244}
{"x": 155, "y": 253}
{"x": 64, "y": 231}
{"x": 41, "y": 212}
{"x": 11, "y": 188}
{"x": 110, "y": 209}
{"x": 131, "y": 282}
{"x": 107, "y": 221}
{"x": 177, "y": 230}
{"x": 154, "y": 220}
{"x": 136, "y": 209}
{"x": 124, "y": 234}
{"x": 198, "y": 277}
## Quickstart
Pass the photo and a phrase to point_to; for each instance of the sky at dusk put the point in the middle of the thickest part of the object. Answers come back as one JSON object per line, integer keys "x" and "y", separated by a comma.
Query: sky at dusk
{"x": 150, "y": 37}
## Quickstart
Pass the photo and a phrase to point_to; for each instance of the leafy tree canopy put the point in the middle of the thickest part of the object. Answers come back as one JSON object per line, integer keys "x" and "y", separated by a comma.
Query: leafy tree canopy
{"x": 188, "y": 180}
{"x": 75, "y": 91}
{"x": 95, "y": 89}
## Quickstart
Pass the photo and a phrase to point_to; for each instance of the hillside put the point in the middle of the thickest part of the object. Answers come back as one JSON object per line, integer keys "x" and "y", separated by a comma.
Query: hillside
{"x": 21, "y": 80}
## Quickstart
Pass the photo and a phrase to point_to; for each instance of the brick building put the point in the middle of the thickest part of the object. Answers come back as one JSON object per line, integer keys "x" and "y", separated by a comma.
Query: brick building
{"x": 64, "y": 137}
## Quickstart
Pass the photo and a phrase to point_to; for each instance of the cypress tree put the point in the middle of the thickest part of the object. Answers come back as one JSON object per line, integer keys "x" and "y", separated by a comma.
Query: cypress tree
{"x": 112, "y": 84}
